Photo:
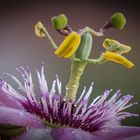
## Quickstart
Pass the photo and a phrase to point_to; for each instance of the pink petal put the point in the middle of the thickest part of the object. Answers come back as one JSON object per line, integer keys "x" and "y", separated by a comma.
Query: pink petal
{"x": 35, "y": 134}
{"x": 133, "y": 138}
{"x": 118, "y": 132}
{"x": 72, "y": 134}
{"x": 19, "y": 117}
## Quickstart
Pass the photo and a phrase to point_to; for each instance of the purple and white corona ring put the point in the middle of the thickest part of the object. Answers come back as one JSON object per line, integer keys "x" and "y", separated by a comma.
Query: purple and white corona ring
{"x": 61, "y": 119}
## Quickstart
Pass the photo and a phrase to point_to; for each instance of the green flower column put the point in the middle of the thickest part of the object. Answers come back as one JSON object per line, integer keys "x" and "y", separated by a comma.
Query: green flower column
{"x": 77, "y": 69}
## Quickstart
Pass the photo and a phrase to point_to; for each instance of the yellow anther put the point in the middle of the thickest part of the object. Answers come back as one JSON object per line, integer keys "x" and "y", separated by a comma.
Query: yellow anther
{"x": 115, "y": 46}
{"x": 69, "y": 45}
{"x": 118, "y": 59}
{"x": 39, "y": 29}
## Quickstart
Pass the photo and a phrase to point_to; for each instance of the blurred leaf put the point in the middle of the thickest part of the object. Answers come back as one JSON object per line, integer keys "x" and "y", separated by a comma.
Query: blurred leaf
{"x": 11, "y": 130}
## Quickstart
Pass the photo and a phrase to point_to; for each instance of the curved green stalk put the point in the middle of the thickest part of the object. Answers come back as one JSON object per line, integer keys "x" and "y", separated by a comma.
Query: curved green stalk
{"x": 50, "y": 39}
{"x": 93, "y": 32}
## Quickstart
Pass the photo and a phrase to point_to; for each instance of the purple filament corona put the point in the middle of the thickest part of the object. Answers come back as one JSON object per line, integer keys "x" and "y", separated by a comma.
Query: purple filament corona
{"x": 103, "y": 112}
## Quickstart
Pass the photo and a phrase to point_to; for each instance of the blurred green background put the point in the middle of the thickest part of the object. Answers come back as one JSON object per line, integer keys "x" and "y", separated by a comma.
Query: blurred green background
{"x": 20, "y": 47}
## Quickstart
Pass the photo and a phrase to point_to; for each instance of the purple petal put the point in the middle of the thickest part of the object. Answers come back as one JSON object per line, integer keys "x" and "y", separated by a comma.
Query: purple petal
{"x": 72, "y": 134}
{"x": 35, "y": 134}
{"x": 19, "y": 117}
{"x": 118, "y": 132}
{"x": 132, "y": 138}
{"x": 9, "y": 101}
{"x": 77, "y": 134}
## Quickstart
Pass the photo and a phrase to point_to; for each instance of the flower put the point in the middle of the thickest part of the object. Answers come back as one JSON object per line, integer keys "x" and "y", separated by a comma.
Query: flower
{"x": 52, "y": 117}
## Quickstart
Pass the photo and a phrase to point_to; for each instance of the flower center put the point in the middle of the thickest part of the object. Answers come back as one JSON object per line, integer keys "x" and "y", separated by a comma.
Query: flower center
{"x": 56, "y": 111}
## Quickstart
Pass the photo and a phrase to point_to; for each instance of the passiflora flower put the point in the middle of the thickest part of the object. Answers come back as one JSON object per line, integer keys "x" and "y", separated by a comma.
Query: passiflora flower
{"x": 52, "y": 117}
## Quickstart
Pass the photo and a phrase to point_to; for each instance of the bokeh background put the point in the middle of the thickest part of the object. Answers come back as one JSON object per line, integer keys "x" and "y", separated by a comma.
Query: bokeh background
{"x": 20, "y": 47}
